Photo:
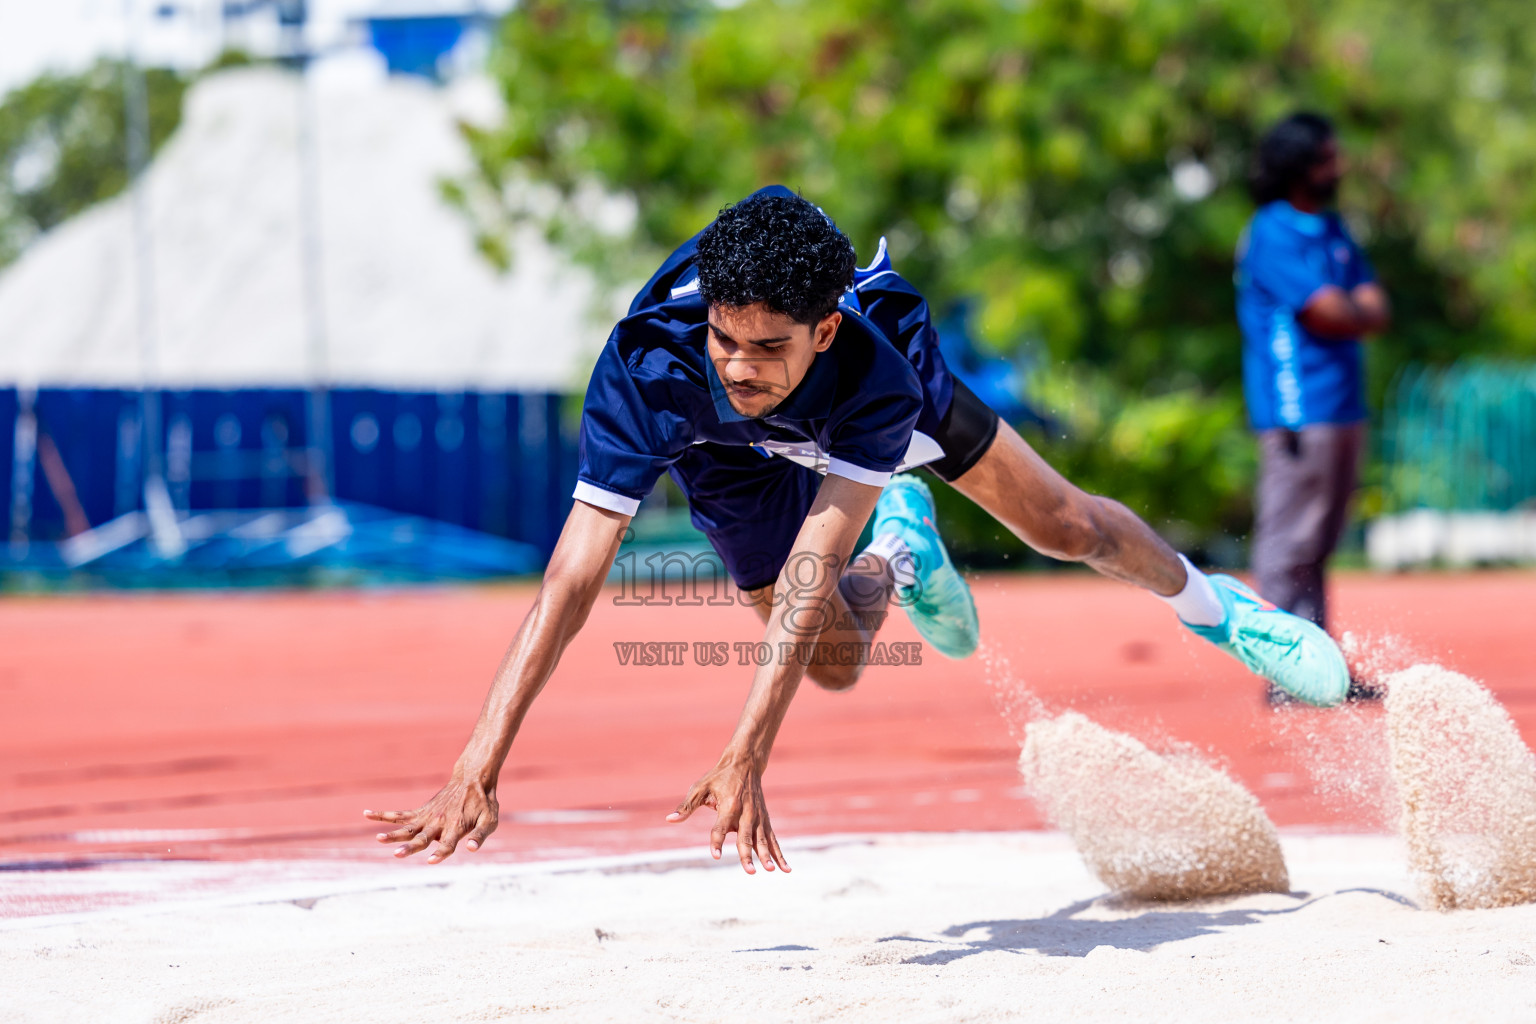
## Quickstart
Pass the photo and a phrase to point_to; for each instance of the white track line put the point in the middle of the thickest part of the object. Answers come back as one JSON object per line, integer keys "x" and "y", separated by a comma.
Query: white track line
{"x": 288, "y": 892}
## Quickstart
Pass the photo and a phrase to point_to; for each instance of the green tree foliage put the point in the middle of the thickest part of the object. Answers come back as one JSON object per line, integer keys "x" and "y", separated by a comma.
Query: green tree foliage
{"x": 1073, "y": 167}
{"x": 63, "y": 146}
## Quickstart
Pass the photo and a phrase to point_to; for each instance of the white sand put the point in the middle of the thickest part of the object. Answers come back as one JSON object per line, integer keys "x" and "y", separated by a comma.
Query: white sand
{"x": 911, "y": 928}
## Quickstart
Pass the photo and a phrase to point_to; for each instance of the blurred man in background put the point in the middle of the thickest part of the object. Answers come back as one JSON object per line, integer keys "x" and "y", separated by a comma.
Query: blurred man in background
{"x": 1306, "y": 296}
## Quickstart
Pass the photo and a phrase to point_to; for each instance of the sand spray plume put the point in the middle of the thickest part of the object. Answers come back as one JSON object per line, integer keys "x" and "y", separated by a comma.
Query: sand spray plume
{"x": 1468, "y": 786}
{"x": 1344, "y": 751}
{"x": 1150, "y": 826}
{"x": 1376, "y": 657}
{"x": 1015, "y": 701}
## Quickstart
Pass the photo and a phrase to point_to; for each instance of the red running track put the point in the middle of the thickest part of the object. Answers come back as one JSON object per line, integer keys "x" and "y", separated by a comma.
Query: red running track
{"x": 244, "y": 726}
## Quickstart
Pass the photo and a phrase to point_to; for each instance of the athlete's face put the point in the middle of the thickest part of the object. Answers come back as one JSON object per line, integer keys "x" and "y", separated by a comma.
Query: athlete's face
{"x": 1323, "y": 179}
{"x": 761, "y": 356}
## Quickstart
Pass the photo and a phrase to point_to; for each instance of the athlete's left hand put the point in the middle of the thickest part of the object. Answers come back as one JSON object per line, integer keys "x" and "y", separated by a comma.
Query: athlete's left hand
{"x": 734, "y": 789}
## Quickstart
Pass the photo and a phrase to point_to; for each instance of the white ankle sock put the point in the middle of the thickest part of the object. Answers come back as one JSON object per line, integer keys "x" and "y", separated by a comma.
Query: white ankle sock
{"x": 898, "y": 559}
{"x": 1197, "y": 604}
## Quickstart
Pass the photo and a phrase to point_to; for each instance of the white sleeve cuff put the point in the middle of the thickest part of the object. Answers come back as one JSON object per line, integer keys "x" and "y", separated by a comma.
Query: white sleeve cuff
{"x": 858, "y": 474}
{"x": 595, "y": 495}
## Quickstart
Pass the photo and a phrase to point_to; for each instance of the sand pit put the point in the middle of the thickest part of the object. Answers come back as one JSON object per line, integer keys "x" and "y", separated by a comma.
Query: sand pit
{"x": 921, "y": 928}
{"x": 1468, "y": 786}
{"x": 1150, "y": 826}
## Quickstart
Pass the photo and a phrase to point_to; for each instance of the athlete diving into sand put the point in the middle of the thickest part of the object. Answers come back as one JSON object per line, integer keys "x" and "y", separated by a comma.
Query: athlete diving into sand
{"x": 787, "y": 391}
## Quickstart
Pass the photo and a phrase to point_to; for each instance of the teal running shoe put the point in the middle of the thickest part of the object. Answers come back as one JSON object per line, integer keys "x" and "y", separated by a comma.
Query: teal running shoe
{"x": 1287, "y": 650}
{"x": 939, "y": 603}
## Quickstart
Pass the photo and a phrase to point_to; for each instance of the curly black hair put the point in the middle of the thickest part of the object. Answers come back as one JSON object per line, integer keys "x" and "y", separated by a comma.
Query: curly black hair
{"x": 777, "y": 249}
{"x": 1286, "y": 153}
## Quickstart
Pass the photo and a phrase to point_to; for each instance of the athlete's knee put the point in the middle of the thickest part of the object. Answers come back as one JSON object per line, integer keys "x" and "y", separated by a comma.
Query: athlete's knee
{"x": 837, "y": 666}
{"x": 1081, "y": 530}
{"x": 836, "y": 678}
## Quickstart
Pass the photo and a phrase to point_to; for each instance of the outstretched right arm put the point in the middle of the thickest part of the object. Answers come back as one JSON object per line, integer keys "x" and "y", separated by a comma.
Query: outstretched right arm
{"x": 465, "y": 809}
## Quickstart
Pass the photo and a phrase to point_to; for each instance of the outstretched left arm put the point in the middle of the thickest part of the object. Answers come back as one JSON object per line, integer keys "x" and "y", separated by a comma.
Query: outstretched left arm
{"x": 801, "y": 606}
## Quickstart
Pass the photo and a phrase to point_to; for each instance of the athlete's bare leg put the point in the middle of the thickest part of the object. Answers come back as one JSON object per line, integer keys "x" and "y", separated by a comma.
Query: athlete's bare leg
{"x": 1021, "y": 491}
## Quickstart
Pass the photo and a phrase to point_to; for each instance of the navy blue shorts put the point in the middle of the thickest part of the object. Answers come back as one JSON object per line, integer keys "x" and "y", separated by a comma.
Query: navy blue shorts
{"x": 751, "y": 505}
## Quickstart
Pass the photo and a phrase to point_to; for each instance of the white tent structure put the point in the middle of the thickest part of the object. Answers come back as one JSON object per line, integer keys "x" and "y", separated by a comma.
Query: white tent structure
{"x": 230, "y": 272}
{"x": 408, "y": 303}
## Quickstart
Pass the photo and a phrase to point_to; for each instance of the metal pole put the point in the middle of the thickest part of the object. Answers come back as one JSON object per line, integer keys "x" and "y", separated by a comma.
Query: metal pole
{"x": 320, "y": 485}
{"x": 23, "y": 456}
{"x": 165, "y": 532}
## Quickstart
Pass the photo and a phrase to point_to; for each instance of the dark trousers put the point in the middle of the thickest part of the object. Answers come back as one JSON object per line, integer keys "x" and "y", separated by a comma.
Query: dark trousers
{"x": 1306, "y": 478}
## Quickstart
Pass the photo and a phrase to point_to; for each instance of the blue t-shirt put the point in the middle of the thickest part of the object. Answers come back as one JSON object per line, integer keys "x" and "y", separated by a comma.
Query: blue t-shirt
{"x": 1292, "y": 377}
{"x": 869, "y": 405}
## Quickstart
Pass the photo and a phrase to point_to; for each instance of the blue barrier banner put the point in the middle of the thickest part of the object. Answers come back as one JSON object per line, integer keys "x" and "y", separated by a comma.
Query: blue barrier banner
{"x": 8, "y": 409}
{"x": 495, "y": 463}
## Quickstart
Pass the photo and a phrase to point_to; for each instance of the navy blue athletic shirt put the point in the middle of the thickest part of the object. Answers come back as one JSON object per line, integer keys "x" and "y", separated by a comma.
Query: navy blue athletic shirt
{"x": 868, "y": 406}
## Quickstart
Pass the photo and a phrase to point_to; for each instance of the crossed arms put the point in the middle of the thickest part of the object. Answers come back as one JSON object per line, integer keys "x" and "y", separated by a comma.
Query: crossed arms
{"x": 1334, "y": 313}
{"x": 465, "y": 809}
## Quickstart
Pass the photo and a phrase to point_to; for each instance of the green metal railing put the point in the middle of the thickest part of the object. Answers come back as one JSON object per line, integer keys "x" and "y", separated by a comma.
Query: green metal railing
{"x": 1461, "y": 437}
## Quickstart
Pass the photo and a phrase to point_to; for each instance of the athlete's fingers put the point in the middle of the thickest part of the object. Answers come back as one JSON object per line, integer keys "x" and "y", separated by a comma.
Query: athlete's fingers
{"x": 722, "y": 828}
{"x": 687, "y": 807}
{"x": 390, "y": 816}
{"x": 745, "y": 831}
{"x": 483, "y": 828}
{"x": 778, "y": 853}
{"x": 445, "y": 845}
{"x": 690, "y": 803}
{"x": 399, "y": 835}
{"x": 764, "y": 851}
{"x": 421, "y": 842}
{"x": 744, "y": 848}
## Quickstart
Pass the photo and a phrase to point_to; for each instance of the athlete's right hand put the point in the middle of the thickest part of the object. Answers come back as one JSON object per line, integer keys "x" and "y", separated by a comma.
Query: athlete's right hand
{"x": 464, "y": 809}
{"x": 734, "y": 790}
